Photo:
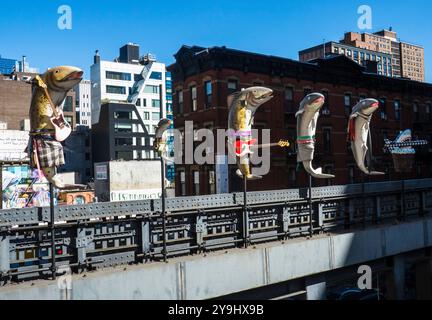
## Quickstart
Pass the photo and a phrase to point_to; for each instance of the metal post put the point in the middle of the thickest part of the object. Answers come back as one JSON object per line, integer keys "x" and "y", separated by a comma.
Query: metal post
{"x": 403, "y": 214}
{"x": 52, "y": 227}
{"x": 310, "y": 207}
{"x": 363, "y": 201}
{"x": 163, "y": 210}
{"x": 245, "y": 214}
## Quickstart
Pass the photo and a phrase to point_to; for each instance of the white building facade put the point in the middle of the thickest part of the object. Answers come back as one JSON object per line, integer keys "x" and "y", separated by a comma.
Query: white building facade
{"x": 113, "y": 82}
{"x": 83, "y": 103}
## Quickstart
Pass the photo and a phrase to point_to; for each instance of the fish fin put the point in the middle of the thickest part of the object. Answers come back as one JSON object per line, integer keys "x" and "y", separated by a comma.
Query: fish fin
{"x": 354, "y": 115}
{"x": 376, "y": 173}
{"x": 316, "y": 173}
{"x": 231, "y": 98}
{"x": 299, "y": 113}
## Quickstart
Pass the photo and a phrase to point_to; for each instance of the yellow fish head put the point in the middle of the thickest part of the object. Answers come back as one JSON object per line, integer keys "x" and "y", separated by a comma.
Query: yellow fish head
{"x": 63, "y": 77}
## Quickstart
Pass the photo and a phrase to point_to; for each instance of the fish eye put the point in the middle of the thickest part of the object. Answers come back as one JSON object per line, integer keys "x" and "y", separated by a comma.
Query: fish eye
{"x": 57, "y": 71}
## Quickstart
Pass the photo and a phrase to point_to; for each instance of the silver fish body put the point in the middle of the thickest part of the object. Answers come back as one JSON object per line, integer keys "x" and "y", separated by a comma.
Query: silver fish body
{"x": 160, "y": 141}
{"x": 307, "y": 118}
{"x": 358, "y": 132}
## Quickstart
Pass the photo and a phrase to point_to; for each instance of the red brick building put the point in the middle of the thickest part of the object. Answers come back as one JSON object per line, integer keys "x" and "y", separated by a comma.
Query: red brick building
{"x": 204, "y": 77}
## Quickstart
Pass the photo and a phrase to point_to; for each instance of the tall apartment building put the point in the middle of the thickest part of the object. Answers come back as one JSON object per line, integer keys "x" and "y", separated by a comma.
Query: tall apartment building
{"x": 407, "y": 60}
{"x": 112, "y": 82}
{"x": 204, "y": 77}
{"x": 83, "y": 103}
{"x": 376, "y": 62}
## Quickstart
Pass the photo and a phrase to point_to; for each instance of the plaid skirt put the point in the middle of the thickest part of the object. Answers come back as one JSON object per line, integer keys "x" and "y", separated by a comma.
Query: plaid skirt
{"x": 49, "y": 153}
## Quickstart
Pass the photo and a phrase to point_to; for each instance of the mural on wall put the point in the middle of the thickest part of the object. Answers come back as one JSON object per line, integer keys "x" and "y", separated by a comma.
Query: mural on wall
{"x": 22, "y": 188}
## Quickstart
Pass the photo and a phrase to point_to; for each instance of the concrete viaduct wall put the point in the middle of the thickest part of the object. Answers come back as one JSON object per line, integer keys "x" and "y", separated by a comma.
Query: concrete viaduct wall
{"x": 223, "y": 273}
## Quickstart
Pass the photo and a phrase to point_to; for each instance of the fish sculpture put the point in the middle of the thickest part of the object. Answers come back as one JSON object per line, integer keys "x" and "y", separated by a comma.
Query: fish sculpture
{"x": 358, "y": 132}
{"x": 242, "y": 107}
{"x": 160, "y": 142}
{"x": 48, "y": 92}
{"x": 307, "y": 117}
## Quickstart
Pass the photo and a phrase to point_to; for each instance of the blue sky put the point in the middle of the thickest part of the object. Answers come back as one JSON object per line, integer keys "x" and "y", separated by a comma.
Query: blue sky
{"x": 277, "y": 27}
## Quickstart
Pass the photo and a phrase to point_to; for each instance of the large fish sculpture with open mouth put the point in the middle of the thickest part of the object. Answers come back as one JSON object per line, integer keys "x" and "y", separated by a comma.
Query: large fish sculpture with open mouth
{"x": 243, "y": 106}
{"x": 358, "y": 132}
{"x": 45, "y": 149}
{"x": 307, "y": 118}
{"x": 160, "y": 141}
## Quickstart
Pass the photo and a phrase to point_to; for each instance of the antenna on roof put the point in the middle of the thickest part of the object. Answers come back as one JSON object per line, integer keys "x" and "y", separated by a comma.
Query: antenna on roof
{"x": 391, "y": 29}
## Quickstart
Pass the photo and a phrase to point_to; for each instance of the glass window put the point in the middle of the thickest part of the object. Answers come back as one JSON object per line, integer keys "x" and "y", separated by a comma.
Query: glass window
{"x": 193, "y": 97}
{"x": 347, "y": 104}
{"x": 326, "y": 106}
{"x": 383, "y": 108}
{"x": 138, "y": 102}
{"x": 428, "y": 111}
{"x": 289, "y": 93}
{"x": 156, "y": 103}
{"x": 327, "y": 140}
{"x": 122, "y": 115}
{"x": 208, "y": 92}
{"x": 123, "y": 127}
{"x": 68, "y": 105}
{"x": 137, "y": 77}
{"x": 155, "y": 116}
{"x": 232, "y": 86}
{"x": 155, "y": 75}
{"x": 356, "y": 55}
{"x": 146, "y": 115}
{"x": 123, "y": 141}
{"x": 115, "y": 90}
{"x": 289, "y": 97}
{"x": 151, "y": 89}
{"x": 397, "y": 109}
{"x": 118, "y": 75}
{"x": 179, "y": 101}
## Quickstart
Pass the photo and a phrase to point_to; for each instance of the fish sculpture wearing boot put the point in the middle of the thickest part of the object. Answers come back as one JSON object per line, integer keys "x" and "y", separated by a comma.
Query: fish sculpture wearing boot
{"x": 358, "y": 132}
{"x": 307, "y": 118}
{"x": 242, "y": 107}
{"x": 47, "y": 125}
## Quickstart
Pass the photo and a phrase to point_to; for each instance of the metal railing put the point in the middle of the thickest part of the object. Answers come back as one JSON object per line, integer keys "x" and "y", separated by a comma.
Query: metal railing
{"x": 97, "y": 235}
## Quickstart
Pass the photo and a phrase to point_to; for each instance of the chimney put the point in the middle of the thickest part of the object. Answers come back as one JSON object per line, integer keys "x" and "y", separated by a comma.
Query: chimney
{"x": 129, "y": 53}
{"x": 96, "y": 58}
{"x": 23, "y": 64}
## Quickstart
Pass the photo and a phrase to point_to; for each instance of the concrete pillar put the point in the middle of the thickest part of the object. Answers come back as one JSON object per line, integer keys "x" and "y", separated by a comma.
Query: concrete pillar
{"x": 316, "y": 288}
{"x": 396, "y": 279}
{"x": 423, "y": 274}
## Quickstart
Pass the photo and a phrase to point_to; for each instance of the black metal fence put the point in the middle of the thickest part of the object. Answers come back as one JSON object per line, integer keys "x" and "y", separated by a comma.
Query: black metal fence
{"x": 98, "y": 235}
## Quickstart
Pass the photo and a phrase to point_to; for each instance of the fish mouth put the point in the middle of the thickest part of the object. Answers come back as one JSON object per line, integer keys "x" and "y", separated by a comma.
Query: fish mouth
{"x": 319, "y": 100}
{"x": 374, "y": 105}
{"x": 76, "y": 75}
{"x": 267, "y": 95}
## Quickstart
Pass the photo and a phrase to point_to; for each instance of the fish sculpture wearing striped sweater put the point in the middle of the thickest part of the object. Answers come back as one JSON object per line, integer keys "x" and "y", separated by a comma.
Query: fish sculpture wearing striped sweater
{"x": 358, "y": 132}
{"x": 307, "y": 118}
